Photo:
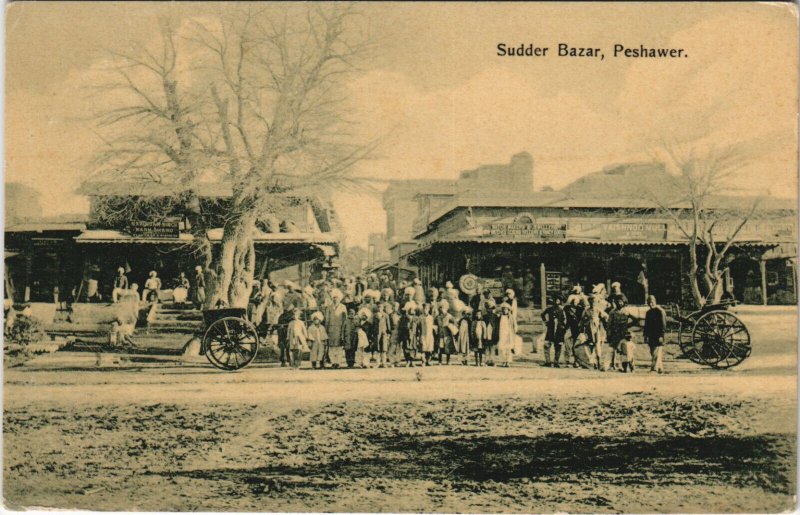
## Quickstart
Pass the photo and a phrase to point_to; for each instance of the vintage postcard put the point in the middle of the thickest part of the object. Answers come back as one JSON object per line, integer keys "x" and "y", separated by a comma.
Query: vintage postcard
{"x": 400, "y": 257}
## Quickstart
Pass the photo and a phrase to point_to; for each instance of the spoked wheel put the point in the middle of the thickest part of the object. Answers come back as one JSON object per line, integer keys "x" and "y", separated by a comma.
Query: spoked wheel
{"x": 721, "y": 339}
{"x": 686, "y": 341}
{"x": 231, "y": 343}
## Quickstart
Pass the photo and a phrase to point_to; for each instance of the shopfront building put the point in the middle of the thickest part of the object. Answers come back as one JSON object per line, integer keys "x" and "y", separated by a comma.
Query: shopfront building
{"x": 543, "y": 245}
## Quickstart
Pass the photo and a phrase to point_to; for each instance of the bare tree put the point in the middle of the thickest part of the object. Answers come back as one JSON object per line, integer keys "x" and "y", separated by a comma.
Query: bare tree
{"x": 261, "y": 108}
{"x": 698, "y": 202}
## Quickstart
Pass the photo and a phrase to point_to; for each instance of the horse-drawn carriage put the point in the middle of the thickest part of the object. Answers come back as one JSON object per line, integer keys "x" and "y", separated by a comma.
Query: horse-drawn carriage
{"x": 712, "y": 336}
{"x": 230, "y": 341}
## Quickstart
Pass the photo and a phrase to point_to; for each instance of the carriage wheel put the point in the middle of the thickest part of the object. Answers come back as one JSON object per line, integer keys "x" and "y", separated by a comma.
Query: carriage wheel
{"x": 231, "y": 343}
{"x": 685, "y": 340}
{"x": 721, "y": 339}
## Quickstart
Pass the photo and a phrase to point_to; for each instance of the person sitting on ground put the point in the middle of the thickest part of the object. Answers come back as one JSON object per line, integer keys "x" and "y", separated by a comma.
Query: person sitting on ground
{"x": 181, "y": 291}
{"x": 151, "y": 288}
{"x": 120, "y": 285}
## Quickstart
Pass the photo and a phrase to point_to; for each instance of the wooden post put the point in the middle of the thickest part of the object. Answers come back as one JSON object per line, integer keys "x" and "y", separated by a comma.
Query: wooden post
{"x": 543, "y": 281}
{"x": 763, "y": 265}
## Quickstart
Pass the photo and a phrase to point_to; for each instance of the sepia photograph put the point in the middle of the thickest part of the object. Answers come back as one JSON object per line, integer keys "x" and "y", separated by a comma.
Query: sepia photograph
{"x": 435, "y": 257}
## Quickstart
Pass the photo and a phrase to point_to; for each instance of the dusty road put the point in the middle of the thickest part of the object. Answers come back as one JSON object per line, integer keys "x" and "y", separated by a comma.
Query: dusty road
{"x": 167, "y": 436}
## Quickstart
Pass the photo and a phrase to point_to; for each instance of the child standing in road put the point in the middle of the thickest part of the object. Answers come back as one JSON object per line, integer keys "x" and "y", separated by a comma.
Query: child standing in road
{"x": 628, "y": 348}
{"x": 479, "y": 336}
{"x": 362, "y": 340}
{"x": 319, "y": 340}
{"x": 296, "y": 338}
{"x": 349, "y": 338}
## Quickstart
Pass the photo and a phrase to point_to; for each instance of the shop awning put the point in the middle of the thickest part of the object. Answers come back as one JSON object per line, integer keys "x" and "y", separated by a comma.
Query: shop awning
{"x": 573, "y": 241}
{"x": 323, "y": 240}
{"x": 782, "y": 251}
{"x": 111, "y": 236}
{"x": 327, "y": 250}
{"x": 215, "y": 235}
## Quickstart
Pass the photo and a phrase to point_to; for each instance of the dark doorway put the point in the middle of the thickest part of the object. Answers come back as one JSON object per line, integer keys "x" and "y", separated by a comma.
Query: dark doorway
{"x": 627, "y": 271}
{"x": 745, "y": 275}
{"x": 664, "y": 279}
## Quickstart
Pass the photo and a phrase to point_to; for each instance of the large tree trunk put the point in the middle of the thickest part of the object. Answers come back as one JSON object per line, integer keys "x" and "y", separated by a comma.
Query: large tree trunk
{"x": 235, "y": 263}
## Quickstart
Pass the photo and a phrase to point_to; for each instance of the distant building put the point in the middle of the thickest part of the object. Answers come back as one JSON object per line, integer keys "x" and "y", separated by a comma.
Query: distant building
{"x": 22, "y": 203}
{"x": 409, "y": 203}
{"x": 377, "y": 250}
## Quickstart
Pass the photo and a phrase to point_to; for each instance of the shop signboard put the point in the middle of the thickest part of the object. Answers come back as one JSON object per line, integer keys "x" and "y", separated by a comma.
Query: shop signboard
{"x": 527, "y": 230}
{"x": 553, "y": 282}
{"x": 634, "y": 231}
{"x": 162, "y": 229}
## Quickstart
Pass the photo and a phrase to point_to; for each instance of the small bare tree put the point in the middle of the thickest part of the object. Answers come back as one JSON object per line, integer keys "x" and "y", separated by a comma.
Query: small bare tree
{"x": 261, "y": 108}
{"x": 698, "y": 202}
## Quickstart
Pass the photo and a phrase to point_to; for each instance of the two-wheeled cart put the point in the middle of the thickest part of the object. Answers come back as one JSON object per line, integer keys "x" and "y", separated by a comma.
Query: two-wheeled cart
{"x": 713, "y": 335}
{"x": 230, "y": 341}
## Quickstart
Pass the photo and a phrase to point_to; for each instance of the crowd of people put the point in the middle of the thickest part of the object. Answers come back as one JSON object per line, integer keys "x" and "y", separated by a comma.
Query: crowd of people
{"x": 354, "y": 322}
{"x": 358, "y": 321}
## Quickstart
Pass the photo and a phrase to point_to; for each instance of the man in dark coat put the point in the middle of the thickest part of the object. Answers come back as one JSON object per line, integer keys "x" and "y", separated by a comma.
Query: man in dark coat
{"x": 493, "y": 332}
{"x": 555, "y": 323}
{"x": 655, "y": 325}
{"x": 283, "y": 340}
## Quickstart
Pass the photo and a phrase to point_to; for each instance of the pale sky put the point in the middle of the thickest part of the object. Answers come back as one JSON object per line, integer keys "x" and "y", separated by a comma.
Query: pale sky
{"x": 445, "y": 102}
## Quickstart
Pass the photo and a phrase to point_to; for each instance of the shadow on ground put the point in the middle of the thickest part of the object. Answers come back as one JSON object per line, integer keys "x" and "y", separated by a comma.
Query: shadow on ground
{"x": 746, "y": 461}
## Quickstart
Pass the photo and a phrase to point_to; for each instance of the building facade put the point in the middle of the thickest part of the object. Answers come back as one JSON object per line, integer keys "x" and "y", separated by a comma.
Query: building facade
{"x": 48, "y": 262}
{"x": 597, "y": 231}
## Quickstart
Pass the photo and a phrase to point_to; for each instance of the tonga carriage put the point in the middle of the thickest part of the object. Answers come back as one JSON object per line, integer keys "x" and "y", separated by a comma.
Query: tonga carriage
{"x": 230, "y": 341}
{"x": 712, "y": 335}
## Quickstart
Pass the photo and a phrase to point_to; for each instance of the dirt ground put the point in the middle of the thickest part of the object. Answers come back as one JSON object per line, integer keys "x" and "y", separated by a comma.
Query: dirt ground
{"x": 167, "y": 436}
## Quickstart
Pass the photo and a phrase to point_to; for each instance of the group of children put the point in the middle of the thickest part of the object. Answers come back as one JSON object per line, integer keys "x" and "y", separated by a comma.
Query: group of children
{"x": 393, "y": 335}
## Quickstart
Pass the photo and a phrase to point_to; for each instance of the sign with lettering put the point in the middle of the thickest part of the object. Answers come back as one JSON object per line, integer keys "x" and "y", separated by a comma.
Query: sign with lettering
{"x": 151, "y": 229}
{"x": 634, "y": 231}
{"x": 543, "y": 231}
{"x": 553, "y": 281}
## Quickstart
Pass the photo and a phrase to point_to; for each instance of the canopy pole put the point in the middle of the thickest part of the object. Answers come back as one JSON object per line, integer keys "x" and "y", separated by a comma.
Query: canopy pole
{"x": 543, "y": 285}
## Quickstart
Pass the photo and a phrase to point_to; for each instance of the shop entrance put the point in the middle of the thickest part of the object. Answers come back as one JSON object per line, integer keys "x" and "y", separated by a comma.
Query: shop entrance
{"x": 627, "y": 271}
{"x": 589, "y": 272}
{"x": 664, "y": 279}
{"x": 745, "y": 274}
